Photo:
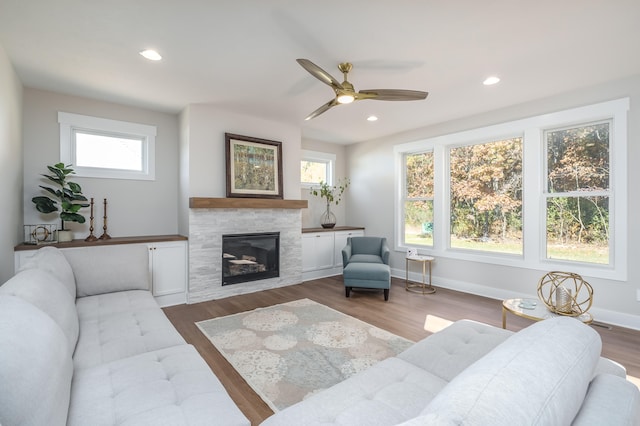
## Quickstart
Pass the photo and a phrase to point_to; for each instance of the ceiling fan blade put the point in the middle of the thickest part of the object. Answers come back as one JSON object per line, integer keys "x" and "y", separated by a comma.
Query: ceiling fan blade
{"x": 322, "y": 109}
{"x": 392, "y": 95}
{"x": 319, "y": 73}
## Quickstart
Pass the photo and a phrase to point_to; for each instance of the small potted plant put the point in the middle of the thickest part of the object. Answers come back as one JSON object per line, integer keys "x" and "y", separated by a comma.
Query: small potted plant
{"x": 68, "y": 195}
{"x": 332, "y": 194}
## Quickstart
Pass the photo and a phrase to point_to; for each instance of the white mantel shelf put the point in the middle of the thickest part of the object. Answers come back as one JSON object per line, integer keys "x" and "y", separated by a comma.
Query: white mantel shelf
{"x": 245, "y": 203}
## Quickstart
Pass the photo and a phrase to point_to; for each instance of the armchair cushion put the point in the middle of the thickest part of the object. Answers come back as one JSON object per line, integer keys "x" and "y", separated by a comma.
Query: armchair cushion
{"x": 366, "y": 250}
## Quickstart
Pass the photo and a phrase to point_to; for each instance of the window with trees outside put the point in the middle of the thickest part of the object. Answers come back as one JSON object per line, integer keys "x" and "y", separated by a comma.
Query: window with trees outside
{"x": 418, "y": 199}
{"x": 536, "y": 193}
{"x": 486, "y": 196}
{"x": 577, "y": 193}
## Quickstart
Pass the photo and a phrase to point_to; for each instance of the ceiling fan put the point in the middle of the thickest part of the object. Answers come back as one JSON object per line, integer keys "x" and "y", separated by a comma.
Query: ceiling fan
{"x": 345, "y": 93}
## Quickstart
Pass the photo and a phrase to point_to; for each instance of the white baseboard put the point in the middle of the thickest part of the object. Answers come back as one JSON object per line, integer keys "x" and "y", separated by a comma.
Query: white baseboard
{"x": 600, "y": 315}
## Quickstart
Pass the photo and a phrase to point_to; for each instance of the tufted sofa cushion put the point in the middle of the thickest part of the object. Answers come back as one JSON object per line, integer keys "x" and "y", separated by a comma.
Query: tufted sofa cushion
{"x": 119, "y": 325}
{"x": 446, "y": 354}
{"x": 42, "y": 290}
{"x": 172, "y": 386}
{"x": 35, "y": 366}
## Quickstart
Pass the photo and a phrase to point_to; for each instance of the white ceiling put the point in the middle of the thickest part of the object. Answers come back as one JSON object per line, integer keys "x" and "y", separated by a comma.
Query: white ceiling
{"x": 241, "y": 54}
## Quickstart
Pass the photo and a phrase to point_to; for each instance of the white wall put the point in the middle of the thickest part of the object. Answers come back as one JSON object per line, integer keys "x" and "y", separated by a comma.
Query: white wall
{"x": 371, "y": 168}
{"x": 134, "y": 207}
{"x": 317, "y": 206}
{"x": 10, "y": 164}
{"x": 204, "y": 127}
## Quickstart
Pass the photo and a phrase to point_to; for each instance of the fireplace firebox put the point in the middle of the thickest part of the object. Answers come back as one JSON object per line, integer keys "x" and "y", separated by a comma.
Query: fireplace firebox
{"x": 250, "y": 257}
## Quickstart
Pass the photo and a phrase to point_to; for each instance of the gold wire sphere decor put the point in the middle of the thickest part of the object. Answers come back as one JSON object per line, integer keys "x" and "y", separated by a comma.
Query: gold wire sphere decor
{"x": 565, "y": 293}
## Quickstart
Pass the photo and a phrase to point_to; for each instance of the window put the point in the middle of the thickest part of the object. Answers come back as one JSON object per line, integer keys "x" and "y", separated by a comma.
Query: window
{"x": 418, "y": 199}
{"x": 316, "y": 167}
{"x": 104, "y": 148}
{"x": 547, "y": 192}
{"x": 577, "y": 193}
{"x": 486, "y": 196}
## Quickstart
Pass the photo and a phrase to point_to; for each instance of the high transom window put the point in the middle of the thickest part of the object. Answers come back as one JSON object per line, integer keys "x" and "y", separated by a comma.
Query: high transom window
{"x": 103, "y": 148}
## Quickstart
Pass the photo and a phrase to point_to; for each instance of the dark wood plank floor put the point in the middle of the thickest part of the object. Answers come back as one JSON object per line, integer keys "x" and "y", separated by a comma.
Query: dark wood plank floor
{"x": 404, "y": 314}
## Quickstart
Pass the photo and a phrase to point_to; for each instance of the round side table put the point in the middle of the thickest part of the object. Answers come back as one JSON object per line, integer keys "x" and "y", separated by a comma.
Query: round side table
{"x": 425, "y": 287}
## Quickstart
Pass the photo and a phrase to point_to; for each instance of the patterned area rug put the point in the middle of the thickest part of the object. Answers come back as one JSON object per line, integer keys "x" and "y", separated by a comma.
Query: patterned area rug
{"x": 289, "y": 351}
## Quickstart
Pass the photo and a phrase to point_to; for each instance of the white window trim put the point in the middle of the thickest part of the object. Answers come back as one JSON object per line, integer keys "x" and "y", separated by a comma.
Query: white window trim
{"x": 70, "y": 122}
{"x": 322, "y": 157}
{"x": 534, "y": 208}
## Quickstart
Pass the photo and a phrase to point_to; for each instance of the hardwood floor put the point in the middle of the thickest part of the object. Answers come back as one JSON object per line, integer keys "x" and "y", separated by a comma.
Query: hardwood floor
{"x": 404, "y": 314}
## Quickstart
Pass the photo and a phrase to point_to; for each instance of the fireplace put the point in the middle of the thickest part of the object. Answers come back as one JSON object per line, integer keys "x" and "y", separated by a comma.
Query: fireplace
{"x": 250, "y": 257}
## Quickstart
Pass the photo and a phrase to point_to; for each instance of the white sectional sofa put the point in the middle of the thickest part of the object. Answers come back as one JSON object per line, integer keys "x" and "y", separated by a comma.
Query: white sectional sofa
{"x": 549, "y": 374}
{"x": 83, "y": 342}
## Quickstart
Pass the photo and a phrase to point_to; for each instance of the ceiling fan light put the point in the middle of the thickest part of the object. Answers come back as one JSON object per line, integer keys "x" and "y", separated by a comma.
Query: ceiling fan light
{"x": 151, "y": 55}
{"x": 345, "y": 99}
{"x": 489, "y": 81}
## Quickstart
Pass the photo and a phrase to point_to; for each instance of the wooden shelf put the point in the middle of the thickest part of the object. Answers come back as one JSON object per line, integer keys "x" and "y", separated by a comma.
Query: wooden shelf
{"x": 245, "y": 203}
{"x": 111, "y": 241}
{"x": 334, "y": 229}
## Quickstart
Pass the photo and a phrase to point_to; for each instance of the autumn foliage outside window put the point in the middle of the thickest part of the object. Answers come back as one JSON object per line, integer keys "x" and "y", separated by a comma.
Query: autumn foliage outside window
{"x": 578, "y": 192}
{"x": 486, "y": 196}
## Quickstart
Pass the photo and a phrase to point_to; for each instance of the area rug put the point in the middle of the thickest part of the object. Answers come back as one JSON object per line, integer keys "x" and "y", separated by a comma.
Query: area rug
{"x": 290, "y": 351}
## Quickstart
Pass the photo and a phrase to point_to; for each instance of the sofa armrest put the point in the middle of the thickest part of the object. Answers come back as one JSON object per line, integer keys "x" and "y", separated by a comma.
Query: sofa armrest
{"x": 384, "y": 252}
{"x": 346, "y": 255}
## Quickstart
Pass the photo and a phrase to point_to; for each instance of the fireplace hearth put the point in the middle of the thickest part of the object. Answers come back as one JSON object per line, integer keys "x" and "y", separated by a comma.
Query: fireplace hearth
{"x": 250, "y": 257}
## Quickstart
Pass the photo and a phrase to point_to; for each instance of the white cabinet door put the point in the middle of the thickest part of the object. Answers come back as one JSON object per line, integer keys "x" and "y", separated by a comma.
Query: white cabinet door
{"x": 341, "y": 242}
{"x": 317, "y": 251}
{"x": 168, "y": 267}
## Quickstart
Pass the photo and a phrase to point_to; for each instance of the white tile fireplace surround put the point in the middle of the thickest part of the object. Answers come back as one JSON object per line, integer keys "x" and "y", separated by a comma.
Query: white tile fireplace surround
{"x": 210, "y": 218}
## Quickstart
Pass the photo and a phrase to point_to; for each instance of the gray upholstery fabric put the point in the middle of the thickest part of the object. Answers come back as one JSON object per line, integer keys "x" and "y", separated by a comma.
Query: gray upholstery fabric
{"x": 110, "y": 268}
{"x": 173, "y": 386}
{"x": 51, "y": 260}
{"x": 41, "y": 289}
{"x": 368, "y": 272}
{"x": 104, "y": 305}
{"x": 112, "y": 332}
{"x": 387, "y": 393}
{"x": 564, "y": 353}
{"x": 132, "y": 367}
{"x": 447, "y": 353}
{"x": 365, "y": 249}
{"x": 35, "y": 366}
{"x": 610, "y": 400}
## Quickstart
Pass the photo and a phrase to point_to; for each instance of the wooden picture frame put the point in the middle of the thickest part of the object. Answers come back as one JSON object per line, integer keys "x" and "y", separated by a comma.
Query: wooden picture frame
{"x": 254, "y": 167}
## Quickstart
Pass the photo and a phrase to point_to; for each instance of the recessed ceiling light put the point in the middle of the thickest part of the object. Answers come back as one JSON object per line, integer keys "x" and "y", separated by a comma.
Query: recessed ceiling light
{"x": 151, "y": 55}
{"x": 491, "y": 80}
{"x": 372, "y": 118}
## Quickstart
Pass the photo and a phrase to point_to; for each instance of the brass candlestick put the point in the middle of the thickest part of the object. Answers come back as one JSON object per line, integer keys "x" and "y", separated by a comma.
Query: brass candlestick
{"x": 104, "y": 235}
{"x": 91, "y": 237}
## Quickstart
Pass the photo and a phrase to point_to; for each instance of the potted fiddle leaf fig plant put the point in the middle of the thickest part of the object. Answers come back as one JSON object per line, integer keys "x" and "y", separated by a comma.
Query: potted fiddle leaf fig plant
{"x": 66, "y": 197}
{"x": 332, "y": 194}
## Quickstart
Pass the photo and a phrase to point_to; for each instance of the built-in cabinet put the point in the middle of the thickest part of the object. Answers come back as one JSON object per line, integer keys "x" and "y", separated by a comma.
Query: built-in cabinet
{"x": 322, "y": 250}
{"x": 167, "y": 263}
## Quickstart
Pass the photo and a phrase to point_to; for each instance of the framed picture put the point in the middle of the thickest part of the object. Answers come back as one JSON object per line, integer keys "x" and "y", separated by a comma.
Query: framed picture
{"x": 254, "y": 167}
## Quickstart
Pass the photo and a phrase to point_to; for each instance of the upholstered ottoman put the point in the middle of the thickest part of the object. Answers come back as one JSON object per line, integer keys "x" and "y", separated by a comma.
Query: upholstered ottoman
{"x": 367, "y": 275}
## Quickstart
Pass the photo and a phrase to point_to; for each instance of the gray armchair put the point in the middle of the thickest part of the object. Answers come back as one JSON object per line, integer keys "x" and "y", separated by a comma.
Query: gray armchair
{"x": 365, "y": 250}
{"x": 366, "y": 264}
